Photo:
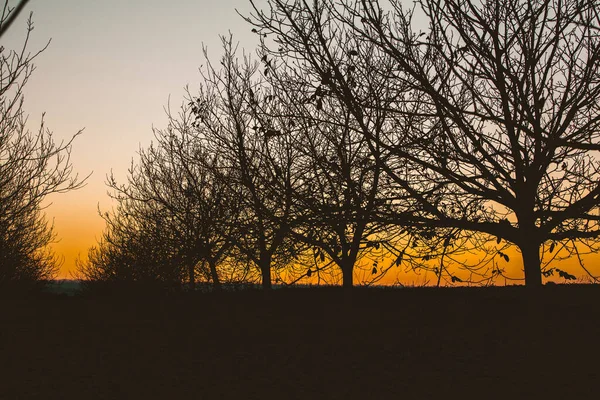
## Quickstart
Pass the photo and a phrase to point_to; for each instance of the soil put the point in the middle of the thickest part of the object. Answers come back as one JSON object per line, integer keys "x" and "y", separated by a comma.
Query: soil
{"x": 320, "y": 343}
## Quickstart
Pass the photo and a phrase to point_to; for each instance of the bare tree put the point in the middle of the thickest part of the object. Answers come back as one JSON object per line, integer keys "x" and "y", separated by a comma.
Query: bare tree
{"x": 180, "y": 175}
{"x": 135, "y": 248}
{"x": 32, "y": 166}
{"x": 24, "y": 253}
{"x": 255, "y": 153}
{"x": 338, "y": 195}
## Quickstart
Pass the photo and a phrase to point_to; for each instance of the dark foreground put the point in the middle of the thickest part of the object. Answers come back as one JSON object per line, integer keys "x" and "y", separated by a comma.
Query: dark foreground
{"x": 304, "y": 344}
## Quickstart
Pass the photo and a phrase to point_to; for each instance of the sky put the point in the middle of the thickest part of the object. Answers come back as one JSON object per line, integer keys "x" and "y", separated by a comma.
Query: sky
{"x": 111, "y": 68}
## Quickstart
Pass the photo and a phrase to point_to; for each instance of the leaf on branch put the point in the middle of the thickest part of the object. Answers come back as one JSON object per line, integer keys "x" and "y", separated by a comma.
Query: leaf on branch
{"x": 565, "y": 275}
{"x": 552, "y": 247}
{"x": 272, "y": 132}
{"x": 447, "y": 241}
{"x": 455, "y": 279}
{"x": 498, "y": 240}
{"x": 548, "y": 272}
{"x": 399, "y": 259}
{"x": 319, "y": 104}
{"x": 374, "y": 271}
{"x": 308, "y": 273}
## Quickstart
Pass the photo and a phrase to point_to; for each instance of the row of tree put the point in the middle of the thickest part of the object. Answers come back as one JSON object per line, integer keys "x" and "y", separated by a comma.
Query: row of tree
{"x": 356, "y": 136}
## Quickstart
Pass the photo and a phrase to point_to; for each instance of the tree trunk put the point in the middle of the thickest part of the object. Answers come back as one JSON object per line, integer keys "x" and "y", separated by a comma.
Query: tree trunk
{"x": 347, "y": 275}
{"x": 265, "y": 270}
{"x": 214, "y": 276}
{"x": 532, "y": 264}
{"x": 264, "y": 262}
{"x": 192, "y": 276}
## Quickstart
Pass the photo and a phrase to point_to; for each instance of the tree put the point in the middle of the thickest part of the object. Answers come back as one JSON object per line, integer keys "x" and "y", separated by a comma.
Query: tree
{"x": 24, "y": 255}
{"x": 32, "y": 166}
{"x": 255, "y": 155}
{"x": 507, "y": 95}
{"x": 134, "y": 249}
{"x": 180, "y": 176}
{"x": 493, "y": 113}
{"x": 340, "y": 190}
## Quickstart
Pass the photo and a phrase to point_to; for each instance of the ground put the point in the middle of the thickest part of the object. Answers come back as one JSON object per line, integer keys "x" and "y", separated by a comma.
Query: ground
{"x": 304, "y": 344}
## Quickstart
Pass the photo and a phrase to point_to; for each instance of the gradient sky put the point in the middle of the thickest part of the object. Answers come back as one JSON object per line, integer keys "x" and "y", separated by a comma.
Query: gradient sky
{"x": 111, "y": 68}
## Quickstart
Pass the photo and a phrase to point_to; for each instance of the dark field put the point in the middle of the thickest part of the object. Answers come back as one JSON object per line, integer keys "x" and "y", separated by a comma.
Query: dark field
{"x": 304, "y": 344}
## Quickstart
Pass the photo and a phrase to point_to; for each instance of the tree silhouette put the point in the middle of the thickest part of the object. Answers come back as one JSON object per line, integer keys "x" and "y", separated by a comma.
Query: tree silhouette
{"x": 32, "y": 166}
{"x": 255, "y": 155}
{"x": 133, "y": 250}
{"x": 179, "y": 175}
{"x": 492, "y": 112}
{"x": 338, "y": 190}
{"x": 510, "y": 117}
{"x": 24, "y": 255}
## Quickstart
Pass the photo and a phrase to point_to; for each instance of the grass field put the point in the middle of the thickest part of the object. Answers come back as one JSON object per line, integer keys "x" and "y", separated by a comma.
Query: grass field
{"x": 304, "y": 343}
